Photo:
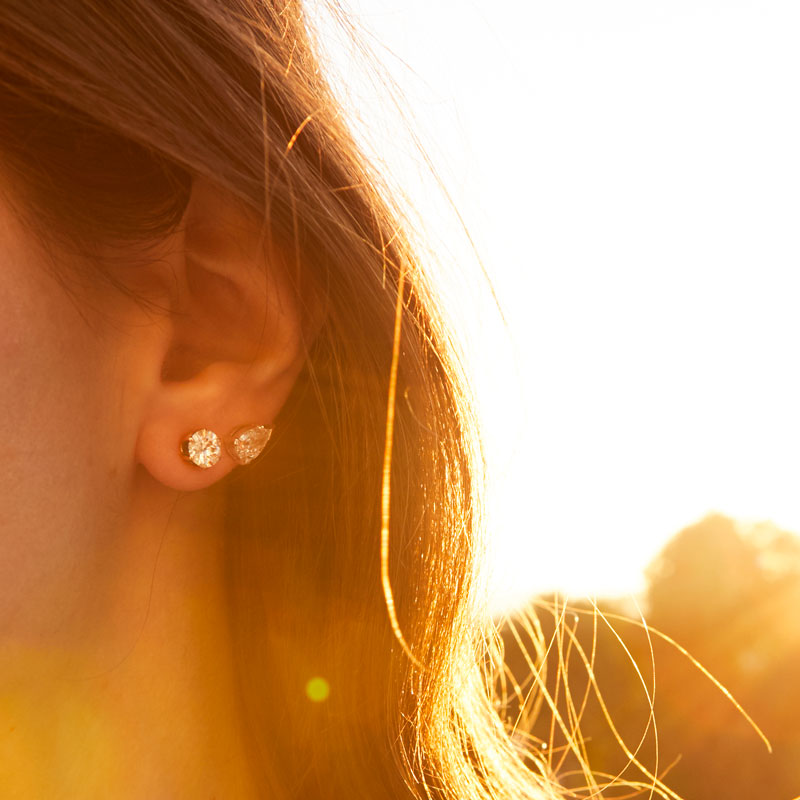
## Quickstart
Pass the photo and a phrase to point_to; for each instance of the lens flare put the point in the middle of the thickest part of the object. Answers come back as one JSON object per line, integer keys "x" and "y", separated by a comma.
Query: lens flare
{"x": 318, "y": 689}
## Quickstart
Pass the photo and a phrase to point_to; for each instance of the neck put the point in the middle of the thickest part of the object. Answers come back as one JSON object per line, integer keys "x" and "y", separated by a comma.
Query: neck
{"x": 143, "y": 687}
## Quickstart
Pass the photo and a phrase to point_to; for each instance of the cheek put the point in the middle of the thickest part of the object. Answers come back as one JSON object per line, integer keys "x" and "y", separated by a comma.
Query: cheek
{"x": 57, "y": 461}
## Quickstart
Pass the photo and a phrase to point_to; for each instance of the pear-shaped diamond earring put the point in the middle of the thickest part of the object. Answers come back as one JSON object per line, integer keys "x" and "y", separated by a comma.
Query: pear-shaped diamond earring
{"x": 246, "y": 443}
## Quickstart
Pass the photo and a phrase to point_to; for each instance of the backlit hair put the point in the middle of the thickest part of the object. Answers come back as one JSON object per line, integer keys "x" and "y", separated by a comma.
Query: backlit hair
{"x": 108, "y": 111}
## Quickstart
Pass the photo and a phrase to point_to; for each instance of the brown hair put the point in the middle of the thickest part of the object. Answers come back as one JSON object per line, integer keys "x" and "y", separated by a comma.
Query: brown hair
{"x": 108, "y": 111}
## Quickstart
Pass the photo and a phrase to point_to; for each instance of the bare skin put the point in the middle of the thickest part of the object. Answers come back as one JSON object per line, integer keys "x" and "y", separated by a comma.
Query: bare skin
{"x": 116, "y": 672}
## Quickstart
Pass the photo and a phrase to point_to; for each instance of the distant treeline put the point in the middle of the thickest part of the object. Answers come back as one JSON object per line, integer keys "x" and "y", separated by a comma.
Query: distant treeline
{"x": 730, "y": 596}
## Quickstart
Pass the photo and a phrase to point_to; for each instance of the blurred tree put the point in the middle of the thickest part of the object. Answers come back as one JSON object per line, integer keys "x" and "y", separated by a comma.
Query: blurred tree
{"x": 727, "y": 593}
{"x": 706, "y": 573}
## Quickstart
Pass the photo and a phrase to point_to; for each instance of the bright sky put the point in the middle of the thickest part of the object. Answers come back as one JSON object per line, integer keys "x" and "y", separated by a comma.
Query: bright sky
{"x": 630, "y": 173}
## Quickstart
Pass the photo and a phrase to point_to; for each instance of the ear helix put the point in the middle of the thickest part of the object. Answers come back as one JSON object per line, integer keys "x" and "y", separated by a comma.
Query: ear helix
{"x": 244, "y": 444}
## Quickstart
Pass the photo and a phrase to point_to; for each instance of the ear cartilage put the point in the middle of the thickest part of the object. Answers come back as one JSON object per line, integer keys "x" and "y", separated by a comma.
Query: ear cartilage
{"x": 246, "y": 443}
{"x": 202, "y": 448}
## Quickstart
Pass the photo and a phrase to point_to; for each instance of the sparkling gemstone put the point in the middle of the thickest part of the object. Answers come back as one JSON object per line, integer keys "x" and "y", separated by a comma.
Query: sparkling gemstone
{"x": 249, "y": 443}
{"x": 203, "y": 448}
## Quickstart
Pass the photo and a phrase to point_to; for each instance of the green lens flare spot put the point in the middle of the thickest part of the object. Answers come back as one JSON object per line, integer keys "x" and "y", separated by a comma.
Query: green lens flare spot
{"x": 318, "y": 689}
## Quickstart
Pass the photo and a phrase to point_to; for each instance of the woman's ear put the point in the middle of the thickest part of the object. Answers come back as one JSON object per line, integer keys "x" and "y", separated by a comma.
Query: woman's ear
{"x": 231, "y": 346}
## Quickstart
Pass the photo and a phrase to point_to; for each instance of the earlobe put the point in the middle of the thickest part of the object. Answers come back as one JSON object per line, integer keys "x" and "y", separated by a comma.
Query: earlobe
{"x": 226, "y": 368}
{"x": 228, "y": 419}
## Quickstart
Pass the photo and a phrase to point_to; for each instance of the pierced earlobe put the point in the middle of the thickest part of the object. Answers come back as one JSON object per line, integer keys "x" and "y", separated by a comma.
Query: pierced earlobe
{"x": 203, "y": 447}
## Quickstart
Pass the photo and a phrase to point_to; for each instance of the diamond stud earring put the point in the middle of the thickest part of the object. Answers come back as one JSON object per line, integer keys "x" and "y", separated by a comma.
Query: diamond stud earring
{"x": 203, "y": 448}
{"x": 246, "y": 443}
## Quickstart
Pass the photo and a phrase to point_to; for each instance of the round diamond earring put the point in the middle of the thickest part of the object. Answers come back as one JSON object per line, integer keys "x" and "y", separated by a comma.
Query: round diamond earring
{"x": 203, "y": 448}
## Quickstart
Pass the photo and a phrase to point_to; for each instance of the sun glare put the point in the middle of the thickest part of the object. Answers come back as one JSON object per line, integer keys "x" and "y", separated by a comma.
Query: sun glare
{"x": 628, "y": 174}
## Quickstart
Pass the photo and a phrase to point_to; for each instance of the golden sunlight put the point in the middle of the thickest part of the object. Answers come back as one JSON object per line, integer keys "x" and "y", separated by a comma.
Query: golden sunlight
{"x": 627, "y": 173}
